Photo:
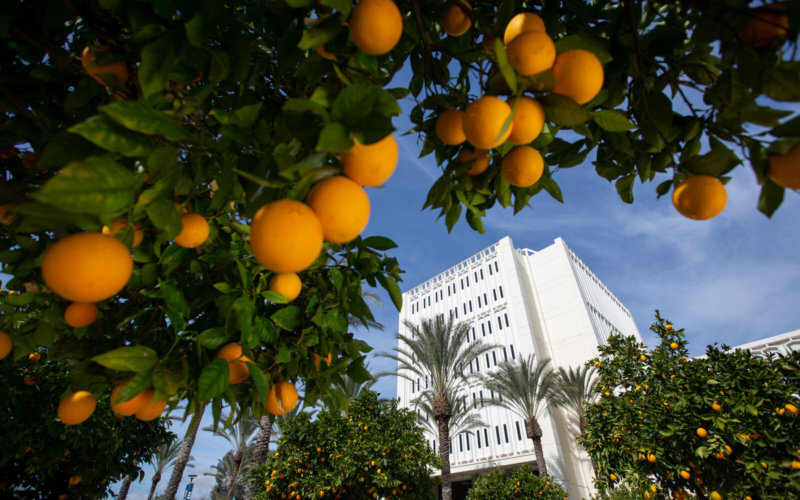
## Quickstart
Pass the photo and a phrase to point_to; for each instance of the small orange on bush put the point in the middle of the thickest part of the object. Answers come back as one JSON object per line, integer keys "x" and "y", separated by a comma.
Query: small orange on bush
{"x": 700, "y": 197}
{"x": 450, "y": 127}
{"x": 522, "y": 22}
{"x": 716, "y": 406}
{"x": 194, "y": 231}
{"x": 342, "y": 207}
{"x": 486, "y": 122}
{"x": 531, "y": 52}
{"x": 286, "y": 236}
{"x": 674, "y": 345}
{"x": 478, "y": 157}
{"x": 238, "y": 370}
{"x": 127, "y": 408}
{"x": 281, "y": 398}
{"x": 73, "y": 480}
{"x": 790, "y": 408}
{"x": 651, "y": 458}
{"x": 287, "y": 284}
{"x": 34, "y": 356}
{"x": 5, "y": 344}
{"x": 702, "y": 432}
{"x": 76, "y": 408}
{"x": 766, "y": 25}
{"x": 376, "y": 26}
{"x": 119, "y": 69}
{"x": 784, "y": 168}
{"x": 29, "y": 381}
{"x": 455, "y": 20}
{"x": 80, "y": 314}
{"x": 579, "y": 75}
{"x": 151, "y": 409}
{"x": 528, "y": 120}
{"x": 371, "y": 165}
{"x": 523, "y": 166}
{"x": 6, "y": 216}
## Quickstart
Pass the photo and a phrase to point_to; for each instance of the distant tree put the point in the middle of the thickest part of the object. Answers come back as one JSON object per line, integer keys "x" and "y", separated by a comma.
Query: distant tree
{"x": 162, "y": 460}
{"x": 525, "y": 387}
{"x": 521, "y": 483}
{"x": 724, "y": 425}
{"x": 438, "y": 351}
{"x": 574, "y": 392}
{"x": 184, "y": 453}
{"x": 225, "y": 482}
{"x": 239, "y": 435}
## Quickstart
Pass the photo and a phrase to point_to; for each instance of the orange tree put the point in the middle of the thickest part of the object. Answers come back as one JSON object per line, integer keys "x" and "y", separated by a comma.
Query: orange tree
{"x": 139, "y": 119}
{"x": 42, "y": 458}
{"x": 724, "y": 425}
{"x": 522, "y": 482}
{"x": 373, "y": 450}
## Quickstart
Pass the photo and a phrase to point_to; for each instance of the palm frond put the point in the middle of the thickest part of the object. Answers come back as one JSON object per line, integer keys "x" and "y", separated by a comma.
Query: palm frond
{"x": 574, "y": 390}
{"x": 524, "y": 384}
{"x": 463, "y": 416}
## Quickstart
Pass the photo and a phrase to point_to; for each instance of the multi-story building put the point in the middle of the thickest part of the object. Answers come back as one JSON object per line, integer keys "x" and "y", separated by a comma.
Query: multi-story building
{"x": 779, "y": 344}
{"x": 544, "y": 303}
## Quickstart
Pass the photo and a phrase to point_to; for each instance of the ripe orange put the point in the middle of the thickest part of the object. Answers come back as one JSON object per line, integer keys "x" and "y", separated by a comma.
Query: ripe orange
{"x": 371, "y": 164}
{"x": 792, "y": 409}
{"x": 651, "y": 458}
{"x": 484, "y": 121}
{"x": 342, "y": 207}
{"x": 76, "y": 408}
{"x": 321, "y": 50}
{"x": 674, "y": 345}
{"x": 6, "y": 217}
{"x": 784, "y": 169}
{"x": 716, "y": 406}
{"x": 73, "y": 480}
{"x": 87, "y": 267}
{"x": 151, "y": 409}
{"x": 131, "y": 406}
{"x": 715, "y": 496}
{"x": 238, "y": 371}
{"x": 121, "y": 222}
{"x": 528, "y": 120}
{"x": 281, "y": 398}
{"x": 286, "y": 236}
{"x": 5, "y": 344}
{"x": 194, "y": 231}
{"x": 34, "y": 356}
{"x": 120, "y": 69}
{"x": 80, "y": 314}
{"x": 479, "y": 157}
{"x": 318, "y": 359}
{"x": 523, "y": 166}
{"x": 450, "y": 127}
{"x": 702, "y": 432}
{"x": 765, "y": 25}
{"x": 455, "y": 20}
{"x": 376, "y": 26}
{"x": 579, "y": 75}
{"x": 522, "y": 22}
{"x": 700, "y": 197}
{"x": 287, "y": 284}
{"x": 612, "y": 476}
{"x": 531, "y": 52}
{"x": 29, "y": 381}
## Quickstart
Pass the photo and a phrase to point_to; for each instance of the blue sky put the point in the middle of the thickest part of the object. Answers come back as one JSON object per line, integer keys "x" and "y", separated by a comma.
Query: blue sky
{"x": 732, "y": 279}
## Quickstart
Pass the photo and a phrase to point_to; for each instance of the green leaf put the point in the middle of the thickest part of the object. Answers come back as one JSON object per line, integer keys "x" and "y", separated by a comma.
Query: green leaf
{"x": 390, "y": 286}
{"x": 715, "y": 163}
{"x": 552, "y": 188}
{"x": 157, "y": 59}
{"x": 95, "y": 186}
{"x": 612, "y": 120}
{"x": 357, "y": 102}
{"x": 320, "y": 33}
{"x": 287, "y": 318}
{"x": 213, "y": 338}
{"x": 177, "y": 308}
{"x": 379, "y": 243}
{"x": 257, "y": 376}
{"x": 283, "y": 354}
{"x": 357, "y": 372}
{"x": 452, "y": 216}
{"x": 625, "y": 188}
{"x": 65, "y": 148}
{"x": 243, "y": 117}
{"x": 770, "y": 198}
{"x": 563, "y": 111}
{"x": 213, "y": 380}
{"x": 134, "y": 115}
{"x": 166, "y": 217}
{"x": 131, "y": 359}
{"x": 337, "y": 278}
{"x": 782, "y": 83}
{"x": 274, "y": 297}
{"x": 194, "y": 29}
{"x": 134, "y": 387}
{"x": 242, "y": 313}
{"x": 298, "y": 105}
{"x": 334, "y": 138}
{"x": 335, "y": 320}
{"x": 166, "y": 381}
{"x": 509, "y": 75}
{"x": 790, "y": 128}
{"x": 103, "y": 132}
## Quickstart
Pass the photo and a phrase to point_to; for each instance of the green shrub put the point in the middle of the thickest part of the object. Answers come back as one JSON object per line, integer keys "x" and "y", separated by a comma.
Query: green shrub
{"x": 521, "y": 483}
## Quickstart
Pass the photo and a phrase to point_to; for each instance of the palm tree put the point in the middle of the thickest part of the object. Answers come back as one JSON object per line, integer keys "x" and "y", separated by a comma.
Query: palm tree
{"x": 525, "y": 386}
{"x": 164, "y": 458}
{"x": 239, "y": 435}
{"x": 124, "y": 487}
{"x": 574, "y": 392}
{"x": 437, "y": 350}
{"x": 463, "y": 418}
{"x": 226, "y": 483}
{"x": 184, "y": 454}
{"x": 258, "y": 453}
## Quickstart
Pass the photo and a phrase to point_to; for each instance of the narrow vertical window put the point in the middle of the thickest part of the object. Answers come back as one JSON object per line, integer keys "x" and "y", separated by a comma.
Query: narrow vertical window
{"x": 505, "y": 432}
{"x": 456, "y": 310}
{"x": 481, "y": 273}
{"x": 466, "y": 438}
{"x": 505, "y": 354}
{"x": 450, "y": 443}
{"x": 494, "y": 293}
{"x": 478, "y": 364}
{"x": 460, "y": 444}
{"x": 494, "y": 357}
{"x": 519, "y": 434}
{"x": 462, "y": 283}
{"x": 497, "y": 431}
{"x": 434, "y": 446}
{"x": 467, "y": 280}
{"x": 495, "y": 266}
{"x": 512, "y": 353}
{"x": 470, "y": 367}
{"x": 499, "y": 323}
{"x": 481, "y": 393}
{"x": 489, "y": 324}
{"x": 487, "y": 360}
{"x": 501, "y": 291}
{"x": 506, "y": 316}
{"x": 476, "y": 276}
{"x": 490, "y": 269}
{"x": 486, "y": 435}
{"x": 485, "y": 298}
{"x": 470, "y": 306}
{"x": 483, "y": 329}
{"x": 465, "y": 307}
{"x": 474, "y": 398}
{"x": 479, "y": 301}
{"x": 478, "y": 439}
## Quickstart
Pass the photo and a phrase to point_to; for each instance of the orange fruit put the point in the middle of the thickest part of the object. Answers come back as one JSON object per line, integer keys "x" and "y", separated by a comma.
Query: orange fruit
{"x": 455, "y": 20}
{"x": 281, "y": 398}
{"x": 528, "y": 120}
{"x": 121, "y": 222}
{"x": 685, "y": 474}
{"x": 450, "y": 127}
{"x": 765, "y": 25}
{"x": 531, "y": 52}
{"x": 484, "y": 120}
{"x": 131, "y": 406}
{"x": 792, "y": 409}
{"x": 612, "y": 476}
{"x": 238, "y": 371}
{"x": 579, "y": 75}
{"x": 76, "y": 408}
{"x": 87, "y": 267}
{"x": 715, "y": 496}
{"x": 321, "y": 50}
{"x": 523, "y": 166}
{"x": 702, "y": 432}
{"x": 73, "y": 480}
{"x": 371, "y": 164}
{"x": 318, "y": 359}
{"x": 700, "y": 197}
{"x": 342, "y": 207}
{"x": 674, "y": 345}
{"x": 120, "y": 69}
{"x": 286, "y": 236}
{"x": 479, "y": 157}
{"x": 651, "y": 458}
{"x": 6, "y": 217}
{"x": 194, "y": 231}
{"x": 80, "y": 314}
{"x": 287, "y": 284}
{"x": 522, "y": 22}
{"x": 34, "y": 356}
{"x": 5, "y": 344}
{"x": 784, "y": 169}
{"x": 376, "y": 26}
{"x": 716, "y": 406}
{"x": 151, "y": 409}
{"x": 28, "y": 381}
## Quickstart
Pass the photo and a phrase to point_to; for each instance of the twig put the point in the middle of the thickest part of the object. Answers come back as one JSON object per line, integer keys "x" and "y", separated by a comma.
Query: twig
{"x": 25, "y": 111}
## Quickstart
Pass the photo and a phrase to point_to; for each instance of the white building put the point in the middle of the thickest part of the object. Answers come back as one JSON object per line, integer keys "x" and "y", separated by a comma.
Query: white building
{"x": 779, "y": 344}
{"x": 547, "y": 303}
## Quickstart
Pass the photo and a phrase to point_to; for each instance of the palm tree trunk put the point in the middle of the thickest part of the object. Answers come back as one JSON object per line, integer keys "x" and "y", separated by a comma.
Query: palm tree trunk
{"x": 124, "y": 487}
{"x": 260, "y": 449}
{"x": 442, "y": 413}
{"x": 237, "y": 462}
{"x": 534, "y": 432}
{"x": 582, "y": 426}
{"x": 183, "y": 455}
{"x": 156, "y": 479}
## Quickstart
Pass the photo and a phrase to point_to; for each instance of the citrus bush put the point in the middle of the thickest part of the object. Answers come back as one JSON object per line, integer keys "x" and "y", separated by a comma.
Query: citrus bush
{"x": 668, "y": 425}
{"x": 39, "y": 454}
{"x": 522, "y": 482}
{"x": 373, "y": 450}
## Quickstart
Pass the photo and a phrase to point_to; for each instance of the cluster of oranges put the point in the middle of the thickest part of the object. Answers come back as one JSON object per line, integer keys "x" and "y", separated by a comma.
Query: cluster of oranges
{"x": 489, "y": 121}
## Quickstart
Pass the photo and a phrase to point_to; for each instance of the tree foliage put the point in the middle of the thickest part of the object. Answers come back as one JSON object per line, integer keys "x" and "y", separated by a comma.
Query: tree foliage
{"x": 719, "y": 422}
{"x": 39, "y": 455}
{"x": 374, "y": 450}
{"x": 522, "y": 482}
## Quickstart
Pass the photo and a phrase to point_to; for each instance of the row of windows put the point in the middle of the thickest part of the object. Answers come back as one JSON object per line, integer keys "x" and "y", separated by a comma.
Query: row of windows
{"x": 482, "y": 437}
{"x": 474, "y": 367}
{"x": 451, "y": 290}
{"x": 483, "y": 301}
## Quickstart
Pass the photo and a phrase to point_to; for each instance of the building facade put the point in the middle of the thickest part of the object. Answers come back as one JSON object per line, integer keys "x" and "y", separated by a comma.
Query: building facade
{"x": 545, "y": 303}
